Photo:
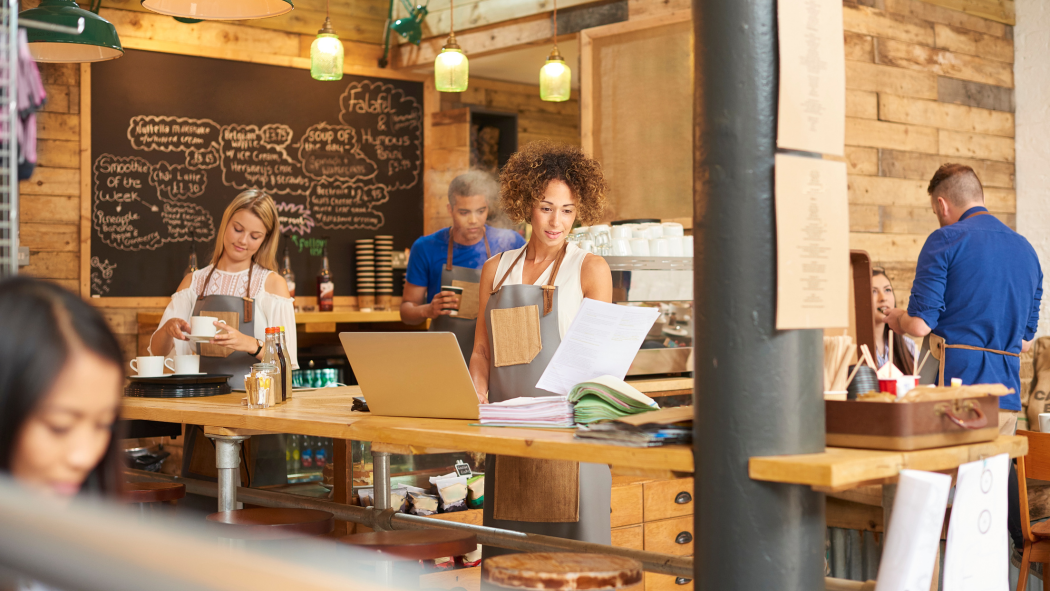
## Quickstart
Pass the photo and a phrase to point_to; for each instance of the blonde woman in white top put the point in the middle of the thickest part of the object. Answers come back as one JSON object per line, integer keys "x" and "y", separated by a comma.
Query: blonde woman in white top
{"x": 240, "y": 279}
{"x": 550, "y": 186}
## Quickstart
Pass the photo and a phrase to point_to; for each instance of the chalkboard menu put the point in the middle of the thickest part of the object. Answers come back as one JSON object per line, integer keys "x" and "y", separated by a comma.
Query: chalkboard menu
{"x": 175, "y": 138}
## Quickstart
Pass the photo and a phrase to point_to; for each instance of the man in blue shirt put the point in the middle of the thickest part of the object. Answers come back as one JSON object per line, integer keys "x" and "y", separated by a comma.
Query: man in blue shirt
{"x": 455, "y": 255}
{"x": 977, "y": 285}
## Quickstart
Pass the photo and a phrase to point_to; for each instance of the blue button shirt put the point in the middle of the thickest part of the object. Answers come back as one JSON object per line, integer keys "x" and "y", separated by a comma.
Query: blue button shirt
{"x": 427, "y": 258}
{"x": 979, "y": 283}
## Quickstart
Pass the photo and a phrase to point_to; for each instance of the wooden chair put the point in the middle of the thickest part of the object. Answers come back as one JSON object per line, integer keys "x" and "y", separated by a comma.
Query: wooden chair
{"x": 1036, "y": 465}
{"x": 269, "y": 523}
{"x": 562, "y": 571}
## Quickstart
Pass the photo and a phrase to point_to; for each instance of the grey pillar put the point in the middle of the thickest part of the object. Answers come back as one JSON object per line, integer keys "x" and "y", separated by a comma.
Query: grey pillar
{"x": 758, "y": 390}
{"x": 228, "y": 466}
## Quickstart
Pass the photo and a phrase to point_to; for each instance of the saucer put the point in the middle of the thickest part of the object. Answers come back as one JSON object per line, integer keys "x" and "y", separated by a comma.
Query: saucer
{"x": 199, "y": 373}
{"x": 199, "y": 339}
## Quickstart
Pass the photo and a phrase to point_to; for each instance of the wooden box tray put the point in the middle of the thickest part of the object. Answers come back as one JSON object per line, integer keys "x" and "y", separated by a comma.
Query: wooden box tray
{"x": 907, "y": 426}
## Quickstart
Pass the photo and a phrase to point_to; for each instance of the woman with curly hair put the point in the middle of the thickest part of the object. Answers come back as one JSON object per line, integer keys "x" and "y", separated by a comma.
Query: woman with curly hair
{"x": 540, "y": 286}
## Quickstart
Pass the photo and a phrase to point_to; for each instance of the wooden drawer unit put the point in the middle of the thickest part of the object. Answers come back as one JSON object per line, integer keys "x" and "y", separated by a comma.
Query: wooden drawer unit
{"x": 626, "y": 505}
{"x": 628, "y": 537}
{"x": 664, "y": 499}
{"x": 670, "y": 536}
{"x": 655, "y": 582}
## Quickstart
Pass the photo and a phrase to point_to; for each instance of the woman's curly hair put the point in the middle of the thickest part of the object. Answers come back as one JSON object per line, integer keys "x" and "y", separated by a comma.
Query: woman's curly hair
{"x": 525, "y": 177}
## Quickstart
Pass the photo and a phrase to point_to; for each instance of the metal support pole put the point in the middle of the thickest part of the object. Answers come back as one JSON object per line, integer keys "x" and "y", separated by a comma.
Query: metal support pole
{"x": 228, "y": 464}
{"x": 381, "y": 503}
{"x": 758, "y": 390}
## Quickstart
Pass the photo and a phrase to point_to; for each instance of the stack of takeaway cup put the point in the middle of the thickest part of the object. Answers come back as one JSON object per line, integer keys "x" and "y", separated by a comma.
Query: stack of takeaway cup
{"x": 384, "y": 272}
{"x": 366, "y": 274}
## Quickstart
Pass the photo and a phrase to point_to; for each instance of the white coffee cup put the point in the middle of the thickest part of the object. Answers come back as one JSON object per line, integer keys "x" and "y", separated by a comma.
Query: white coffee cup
{"x": 658, "y": 247}
{"x": 148, "y": 367}
{"x": 640, "y": 247}
{"x": 184, "y": 364}
{"x": 621, "y": 247}
{"x": 674, "y": 244}
{"x": 655, "y": 231}
{"x": 203, "y": 326}
{"x": 687, "y": 246}
{"x": 1044, "y": 422}
{"x": 621, "y": 232}
{"x": 587, "y": 245}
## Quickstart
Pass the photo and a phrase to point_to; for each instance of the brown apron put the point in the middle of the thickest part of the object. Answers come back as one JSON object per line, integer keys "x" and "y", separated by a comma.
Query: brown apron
{"x": 549, "y": 497}
{"x": 937, "y": 347}
{"x": 464, "y": 324}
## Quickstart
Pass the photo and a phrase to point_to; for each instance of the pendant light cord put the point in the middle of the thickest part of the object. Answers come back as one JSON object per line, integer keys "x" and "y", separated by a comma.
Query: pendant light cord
{"x": 555, "y": 24}
{"x": 452, "y": 17}
{"x": 328, "y": 9}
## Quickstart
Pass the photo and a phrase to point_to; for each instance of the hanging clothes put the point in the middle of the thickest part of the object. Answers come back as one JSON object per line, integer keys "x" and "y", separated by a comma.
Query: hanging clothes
{"x": 31, "y": 98}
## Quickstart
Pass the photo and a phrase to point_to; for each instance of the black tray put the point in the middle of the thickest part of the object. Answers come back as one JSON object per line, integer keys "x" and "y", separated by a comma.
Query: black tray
{"x": 188, "y": 386}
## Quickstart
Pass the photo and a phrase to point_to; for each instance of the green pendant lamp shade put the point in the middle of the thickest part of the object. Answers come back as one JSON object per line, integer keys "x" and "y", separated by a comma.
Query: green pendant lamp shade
{"x": 219, "y": 10}
{"x": 451, "y": 68}
{"x": 326, "y": 54}
{"x": 555, "y": 75}
{"x": 98, "y": 42}
{"x": 555, "y": 78}
{"x": 410, "y": 27}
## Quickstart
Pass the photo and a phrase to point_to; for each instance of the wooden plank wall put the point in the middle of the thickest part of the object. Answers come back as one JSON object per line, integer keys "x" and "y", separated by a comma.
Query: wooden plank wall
{"x": 925, "y": 85}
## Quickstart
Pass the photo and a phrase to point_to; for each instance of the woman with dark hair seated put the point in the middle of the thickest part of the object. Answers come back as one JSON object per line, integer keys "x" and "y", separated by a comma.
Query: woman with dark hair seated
{"x": 60, "y": 386}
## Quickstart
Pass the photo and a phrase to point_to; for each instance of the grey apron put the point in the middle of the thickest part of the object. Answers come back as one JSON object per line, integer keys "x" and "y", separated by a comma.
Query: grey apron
{"x": 463, "y": 328}
{"x": 520, "y": 380}
{"x": 237, "y": 363}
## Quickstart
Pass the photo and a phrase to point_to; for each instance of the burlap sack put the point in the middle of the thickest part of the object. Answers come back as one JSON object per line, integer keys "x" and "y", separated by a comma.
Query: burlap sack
{"x": 1037, "y": 399}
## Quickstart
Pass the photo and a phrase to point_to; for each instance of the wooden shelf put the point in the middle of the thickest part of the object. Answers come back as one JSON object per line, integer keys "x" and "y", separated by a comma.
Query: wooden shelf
{"x": 840, "y": 468}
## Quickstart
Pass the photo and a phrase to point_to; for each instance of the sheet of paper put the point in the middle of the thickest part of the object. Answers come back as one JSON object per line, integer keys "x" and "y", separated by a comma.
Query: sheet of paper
{"x": 811, "y": 113}
{"x": 812, "y": 243}
{"x": 915, "y": 532}
{"x": 602, "y": 340}
{"x": 975, "y": 556}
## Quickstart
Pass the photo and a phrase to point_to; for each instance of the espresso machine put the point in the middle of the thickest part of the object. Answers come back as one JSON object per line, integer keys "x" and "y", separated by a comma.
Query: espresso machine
{"x": 665, "y": 283}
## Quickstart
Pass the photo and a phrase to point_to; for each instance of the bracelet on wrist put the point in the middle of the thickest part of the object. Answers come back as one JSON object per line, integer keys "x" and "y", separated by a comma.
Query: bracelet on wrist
{"x": 257, "y": 351}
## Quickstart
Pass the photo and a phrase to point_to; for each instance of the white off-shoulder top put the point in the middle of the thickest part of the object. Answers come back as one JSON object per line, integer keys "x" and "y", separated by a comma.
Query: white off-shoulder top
{"x": 270, "y": 309}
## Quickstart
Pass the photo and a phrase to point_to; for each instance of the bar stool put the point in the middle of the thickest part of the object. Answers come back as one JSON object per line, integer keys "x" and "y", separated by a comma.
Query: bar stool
{"x": 270, "y": 523}
{"x": 562, "y": 571}
{"x": 396, "y": 554}
{"x": 148, "y": 494}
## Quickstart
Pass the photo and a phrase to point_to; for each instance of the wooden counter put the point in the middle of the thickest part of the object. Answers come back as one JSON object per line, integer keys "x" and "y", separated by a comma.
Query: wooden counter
{"x": 841, "y": 468}
{"x": 326, "y": 413}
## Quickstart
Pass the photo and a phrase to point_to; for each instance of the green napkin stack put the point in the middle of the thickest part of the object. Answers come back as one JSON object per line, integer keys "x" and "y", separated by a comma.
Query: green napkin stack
{"x": 608, "y": 398}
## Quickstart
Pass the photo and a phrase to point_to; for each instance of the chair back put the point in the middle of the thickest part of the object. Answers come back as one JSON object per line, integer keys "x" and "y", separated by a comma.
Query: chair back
{"x": 1036, "y": 465}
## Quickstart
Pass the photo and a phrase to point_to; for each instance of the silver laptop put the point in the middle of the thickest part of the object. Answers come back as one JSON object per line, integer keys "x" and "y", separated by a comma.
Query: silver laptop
{"x": 412, "y": 374}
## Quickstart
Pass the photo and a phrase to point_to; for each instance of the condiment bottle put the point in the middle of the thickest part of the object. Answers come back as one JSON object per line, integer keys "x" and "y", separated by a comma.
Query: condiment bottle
{"x": 286, "y": 272}
{"x": 325, "y": 287}
{"x": 287, "y": 359}
{"x": 272, "y": 355}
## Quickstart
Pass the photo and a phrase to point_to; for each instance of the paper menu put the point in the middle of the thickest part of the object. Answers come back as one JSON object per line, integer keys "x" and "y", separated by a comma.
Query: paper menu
{"x": 914, "y": 535}
{"x": 813, "y": 270}
{"x": 975, "y": 557}
{"x": 811, "y": 114}
{"x": 602, "y": 340}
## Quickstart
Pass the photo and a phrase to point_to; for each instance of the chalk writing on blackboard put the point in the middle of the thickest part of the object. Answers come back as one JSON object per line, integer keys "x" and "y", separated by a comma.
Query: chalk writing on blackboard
{"x": 101, "y": 276}
{"x": 392, "y": 133}
{"x": 295, "y": 218}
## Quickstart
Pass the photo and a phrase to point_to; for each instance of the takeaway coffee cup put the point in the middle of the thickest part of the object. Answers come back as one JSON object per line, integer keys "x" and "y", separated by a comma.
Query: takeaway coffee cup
{"x": 203, "y": 326}
{"x": 459, "y": 294}
{"x": 184, "y": 364}
{"x": 148, "y": 367}
{"x": 1044, "y": 422}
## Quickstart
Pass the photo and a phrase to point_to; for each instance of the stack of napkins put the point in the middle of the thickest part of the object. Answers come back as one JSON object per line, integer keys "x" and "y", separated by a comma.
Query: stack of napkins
{"x": 608, "y": 398}
{"x": 541, "y": 411}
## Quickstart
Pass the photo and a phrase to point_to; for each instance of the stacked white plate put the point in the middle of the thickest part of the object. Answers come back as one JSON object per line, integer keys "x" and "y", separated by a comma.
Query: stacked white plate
{"x": 384, "y": 249}
{"x": 366, "y": 266}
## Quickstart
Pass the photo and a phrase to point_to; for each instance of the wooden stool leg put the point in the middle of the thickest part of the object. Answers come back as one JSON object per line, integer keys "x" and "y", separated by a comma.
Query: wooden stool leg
{"x": 1026, "y": 557}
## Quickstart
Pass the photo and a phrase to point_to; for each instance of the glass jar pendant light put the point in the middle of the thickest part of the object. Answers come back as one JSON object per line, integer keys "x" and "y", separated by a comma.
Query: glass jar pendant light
{"x": 555, "y": 75}
{"x": 450, "y": 67}
{"x": 326, "y": 53}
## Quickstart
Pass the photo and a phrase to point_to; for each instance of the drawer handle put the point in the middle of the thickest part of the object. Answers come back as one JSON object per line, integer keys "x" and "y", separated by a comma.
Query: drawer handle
{"x": 682, "y": 498}
{"x": 683, "y": 538}
{"x": 682, "y": 581}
